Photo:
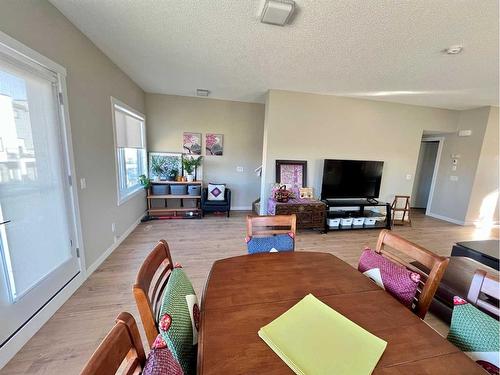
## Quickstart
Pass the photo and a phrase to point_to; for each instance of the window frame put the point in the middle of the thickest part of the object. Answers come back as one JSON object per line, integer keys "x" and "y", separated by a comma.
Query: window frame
{"x": 123, "y": 195}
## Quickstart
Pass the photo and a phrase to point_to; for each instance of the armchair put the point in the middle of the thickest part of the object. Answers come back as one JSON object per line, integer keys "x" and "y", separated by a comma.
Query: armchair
{"x": 215, "y": 206}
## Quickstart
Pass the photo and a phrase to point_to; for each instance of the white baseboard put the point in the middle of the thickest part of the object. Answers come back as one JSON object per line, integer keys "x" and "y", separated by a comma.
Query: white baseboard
{"x": 445, "y": 218}
{"x": 112, "y": 248}
{"x": 241, "y": 208}
{"x": 10, "y": 349}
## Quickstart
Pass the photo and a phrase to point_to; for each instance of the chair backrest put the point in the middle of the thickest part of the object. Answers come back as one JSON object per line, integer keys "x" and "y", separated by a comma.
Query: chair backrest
{"x": 122, "y": 343}
{"x": 434, "y": 263}
{"x": 271, "y": 225}
{"x": 488, "y": 285}
{"x": 149, "y": 286}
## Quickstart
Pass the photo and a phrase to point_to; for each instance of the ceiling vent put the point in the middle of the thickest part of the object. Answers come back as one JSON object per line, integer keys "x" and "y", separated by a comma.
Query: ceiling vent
{"x": 277, "y": 12}
{"x": 202, "y": 92}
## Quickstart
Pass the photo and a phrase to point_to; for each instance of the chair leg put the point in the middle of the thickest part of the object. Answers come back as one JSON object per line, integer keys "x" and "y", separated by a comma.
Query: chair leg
{"x": 228, "y": 213}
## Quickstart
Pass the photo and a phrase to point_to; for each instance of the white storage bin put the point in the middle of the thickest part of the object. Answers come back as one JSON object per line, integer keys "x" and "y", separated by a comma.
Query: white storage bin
{"x": 358, "y": 221}
{"x": 346, "y": 222}
{"x": 333, "y": 223}
{"x": 370, "y": 221}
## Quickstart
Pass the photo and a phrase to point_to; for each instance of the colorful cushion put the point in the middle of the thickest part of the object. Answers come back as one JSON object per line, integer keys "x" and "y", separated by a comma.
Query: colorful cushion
{"x": 476, "y": 334}
{"x": 270, "y": 244}
{"x": 216, "y": 192}
{"x": 392, "y": 277}
{"x": 179, "y": 320}
{"x": 161, "y": 361}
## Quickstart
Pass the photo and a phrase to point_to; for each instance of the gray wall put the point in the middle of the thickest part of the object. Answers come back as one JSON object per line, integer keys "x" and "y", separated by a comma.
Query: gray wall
{"x": 451, "y": 198}
{"x": 91, "y": 79}
{"x": 423, "y": 174}
{"x": 241, "y": 123}
{"x": 314, "y": 127}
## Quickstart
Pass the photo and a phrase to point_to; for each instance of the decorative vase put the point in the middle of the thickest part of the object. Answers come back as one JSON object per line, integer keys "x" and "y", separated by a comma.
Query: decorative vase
{"x": 190, "y": 178}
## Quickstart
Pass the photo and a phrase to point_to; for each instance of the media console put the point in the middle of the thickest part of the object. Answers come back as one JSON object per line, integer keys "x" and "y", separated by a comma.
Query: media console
{"x": 354, "y": 214}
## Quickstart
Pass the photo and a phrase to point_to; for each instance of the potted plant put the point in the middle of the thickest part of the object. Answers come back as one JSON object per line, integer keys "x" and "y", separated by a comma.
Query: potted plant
{"x": 172, "y": 174}
{"x": 144, "y": 181}
{"x": 190, "y": 165}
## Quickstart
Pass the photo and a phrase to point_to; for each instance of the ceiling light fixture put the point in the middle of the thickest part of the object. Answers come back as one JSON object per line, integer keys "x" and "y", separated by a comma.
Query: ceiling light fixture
{"x": 202, "y": 92}
{"x": 277, "y": 12}
{"x": 454, "y": 50}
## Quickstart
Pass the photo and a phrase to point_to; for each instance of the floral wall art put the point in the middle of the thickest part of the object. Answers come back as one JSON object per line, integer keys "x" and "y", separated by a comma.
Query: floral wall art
{"x": 214, "y": 144}
{"x": 191, "y": 143}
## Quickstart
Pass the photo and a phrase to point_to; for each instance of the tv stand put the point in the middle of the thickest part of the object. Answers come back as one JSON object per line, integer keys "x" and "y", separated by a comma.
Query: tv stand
{"x": 356, "y": 208}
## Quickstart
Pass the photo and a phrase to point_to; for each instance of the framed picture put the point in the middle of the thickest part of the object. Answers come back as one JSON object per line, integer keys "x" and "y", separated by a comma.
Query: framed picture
{"x": 214, "y": 144}
{"x": 165, "y": 165}
{"x": 292, "y": 172}
{"x": 191, "y": 143}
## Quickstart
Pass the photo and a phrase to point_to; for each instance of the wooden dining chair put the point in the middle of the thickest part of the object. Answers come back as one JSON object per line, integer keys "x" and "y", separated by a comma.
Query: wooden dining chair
{"x": 149, "y": 286}
{"x": 271, "y": 225}
{"x": 122, "y": 343}
{"x": 429, "y": 282}
{"x": 484, "y": 284}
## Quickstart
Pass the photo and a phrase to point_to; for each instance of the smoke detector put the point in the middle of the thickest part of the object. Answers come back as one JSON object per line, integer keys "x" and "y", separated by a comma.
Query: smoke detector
{"x": 277, "y": 12}
{"x": 454, "y": 50}
{"x": 202, "y": 92}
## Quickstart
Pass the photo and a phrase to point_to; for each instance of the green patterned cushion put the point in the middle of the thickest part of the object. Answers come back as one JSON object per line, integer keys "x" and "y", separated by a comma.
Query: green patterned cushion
{"x": 476, "y": 334}
{"x": 179, "y": 317}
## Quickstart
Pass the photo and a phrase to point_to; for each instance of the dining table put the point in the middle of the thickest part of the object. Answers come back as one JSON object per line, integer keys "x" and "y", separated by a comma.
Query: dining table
{"x": 244, "y": 293}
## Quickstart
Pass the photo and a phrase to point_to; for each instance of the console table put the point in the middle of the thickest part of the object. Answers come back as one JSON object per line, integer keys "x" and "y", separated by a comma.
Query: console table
{"x": 310, "y": 212}
{"x": 485, "y": 252}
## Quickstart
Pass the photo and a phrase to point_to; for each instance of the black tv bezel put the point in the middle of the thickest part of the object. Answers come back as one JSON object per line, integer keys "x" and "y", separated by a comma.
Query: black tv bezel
{"x": 351, "y": 197}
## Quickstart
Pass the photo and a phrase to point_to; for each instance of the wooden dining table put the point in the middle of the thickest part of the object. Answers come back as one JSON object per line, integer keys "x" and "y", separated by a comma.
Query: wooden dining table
{"x": 244, "y": 293}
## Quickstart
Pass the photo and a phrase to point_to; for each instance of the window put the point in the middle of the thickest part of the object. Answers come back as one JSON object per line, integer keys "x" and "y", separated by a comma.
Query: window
{"x": 130, "y": 144}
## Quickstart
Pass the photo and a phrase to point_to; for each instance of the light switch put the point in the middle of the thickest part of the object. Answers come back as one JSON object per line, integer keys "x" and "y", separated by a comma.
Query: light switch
{"x": 240, "y": 169}
{"x": 83, "y": 183}
{"x": 453, "y": 178}
{"x": 408, "y": 176}
{"x": 454, "y": 168}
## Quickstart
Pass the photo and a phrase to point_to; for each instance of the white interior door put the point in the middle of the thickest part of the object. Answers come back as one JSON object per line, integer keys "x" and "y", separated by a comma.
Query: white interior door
{"x": 37, "y": 232}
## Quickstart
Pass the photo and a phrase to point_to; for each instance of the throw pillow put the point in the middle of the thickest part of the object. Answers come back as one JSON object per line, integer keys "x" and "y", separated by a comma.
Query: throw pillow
{"x": 161, "y": 361}
{"x": 476, "y": 334}
{"x": 392, "y": 277}
{"x": 277, "y": 243}
{"x": 179, "y": 320}
{"x": 216, "y": 192}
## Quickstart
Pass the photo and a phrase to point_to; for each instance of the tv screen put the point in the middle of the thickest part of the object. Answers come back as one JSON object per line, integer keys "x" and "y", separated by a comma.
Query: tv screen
{"x": 351, "y": 179}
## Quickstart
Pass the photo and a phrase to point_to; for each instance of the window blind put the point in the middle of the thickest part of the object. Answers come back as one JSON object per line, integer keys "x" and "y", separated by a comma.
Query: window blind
{"x": 129, "y": 132}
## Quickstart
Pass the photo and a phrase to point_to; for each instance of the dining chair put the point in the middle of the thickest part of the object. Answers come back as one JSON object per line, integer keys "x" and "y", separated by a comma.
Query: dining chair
{"x": 489, "y": 286}
{"x": 122, "y": 343}
{"x": 429, "y": 282}
{"x": 276, "y": 232}
{"x": 149, "y": 286}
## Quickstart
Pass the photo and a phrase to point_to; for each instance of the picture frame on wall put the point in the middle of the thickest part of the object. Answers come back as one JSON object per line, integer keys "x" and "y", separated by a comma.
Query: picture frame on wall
{"x": 164, "y": 166}
{"x": 292, "y": 172}
{"x": 214, "y": 144}
{"x": 191, "y": 143}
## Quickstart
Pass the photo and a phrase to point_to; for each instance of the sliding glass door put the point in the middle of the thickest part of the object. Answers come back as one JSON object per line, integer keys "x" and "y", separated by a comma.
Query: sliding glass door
{"x": 37, "y": 232}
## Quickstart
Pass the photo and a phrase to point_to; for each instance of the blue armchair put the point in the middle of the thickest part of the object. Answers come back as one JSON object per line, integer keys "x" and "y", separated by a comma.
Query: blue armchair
{"x": 215, "y": 206}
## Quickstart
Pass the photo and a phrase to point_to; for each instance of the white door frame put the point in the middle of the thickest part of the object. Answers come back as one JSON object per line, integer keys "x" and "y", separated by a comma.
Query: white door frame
{"x": 12, "y": 47}
{"x": 436, "y": 167}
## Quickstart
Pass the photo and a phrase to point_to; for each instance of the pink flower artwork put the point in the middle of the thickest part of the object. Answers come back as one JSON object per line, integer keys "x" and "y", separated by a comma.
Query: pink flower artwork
{"x": 291, "y": 174}
{"x": 214, "y": 144}
{"x": 191, "y": 143}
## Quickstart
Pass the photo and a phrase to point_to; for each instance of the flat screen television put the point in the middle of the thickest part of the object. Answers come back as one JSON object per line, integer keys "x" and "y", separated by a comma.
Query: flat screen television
{"x": 351, "y": 179}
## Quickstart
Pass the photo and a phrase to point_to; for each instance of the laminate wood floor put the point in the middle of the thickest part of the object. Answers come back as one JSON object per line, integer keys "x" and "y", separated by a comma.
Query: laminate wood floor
{"x": 67, "y": 340}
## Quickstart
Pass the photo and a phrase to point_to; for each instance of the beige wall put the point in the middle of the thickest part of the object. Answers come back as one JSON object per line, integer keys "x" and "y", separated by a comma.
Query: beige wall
{"x": 314, "y": 127}
{"x": 91, "y": 79}
{"x": 484, "y": 197}
{"x": 241, "y": 123}
{"x": 451, "y": 198}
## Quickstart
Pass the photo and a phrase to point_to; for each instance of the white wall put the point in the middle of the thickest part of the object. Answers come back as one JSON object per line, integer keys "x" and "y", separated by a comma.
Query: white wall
{"x": 91, "y": 79}
{"x": 484, "y": 203}
{"x": 168, "y": 116}
{"x": 313, "y": 127}
{"x": 451, "y": 198}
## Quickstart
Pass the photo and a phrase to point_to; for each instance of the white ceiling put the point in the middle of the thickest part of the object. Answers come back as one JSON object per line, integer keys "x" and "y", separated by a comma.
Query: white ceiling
{"x": 379, "y": 49}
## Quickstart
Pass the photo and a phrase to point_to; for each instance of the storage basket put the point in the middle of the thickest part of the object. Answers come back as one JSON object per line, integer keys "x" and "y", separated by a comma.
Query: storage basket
{"x": 159, "y": 189}
{"x": 178, "y": 189}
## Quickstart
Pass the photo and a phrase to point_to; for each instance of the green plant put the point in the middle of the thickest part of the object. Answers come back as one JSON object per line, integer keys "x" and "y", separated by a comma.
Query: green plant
{"x": 144, "y": 181}
{"x": 173, "y": 173}
{"x": 190, "y": 164}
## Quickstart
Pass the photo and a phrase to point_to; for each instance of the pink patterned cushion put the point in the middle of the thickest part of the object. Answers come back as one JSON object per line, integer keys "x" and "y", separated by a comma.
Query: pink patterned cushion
{"x": 394, "y": 278}
{"x": 161, "y": 361}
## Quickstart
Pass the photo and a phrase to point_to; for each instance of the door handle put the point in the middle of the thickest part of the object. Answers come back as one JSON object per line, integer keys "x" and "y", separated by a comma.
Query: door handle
{"x": 5, "y": 222}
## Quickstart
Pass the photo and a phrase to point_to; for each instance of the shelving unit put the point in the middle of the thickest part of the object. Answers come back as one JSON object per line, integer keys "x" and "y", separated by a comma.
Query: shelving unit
{"x": 356, "y": 208}
{"x": 174, "y": 212}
